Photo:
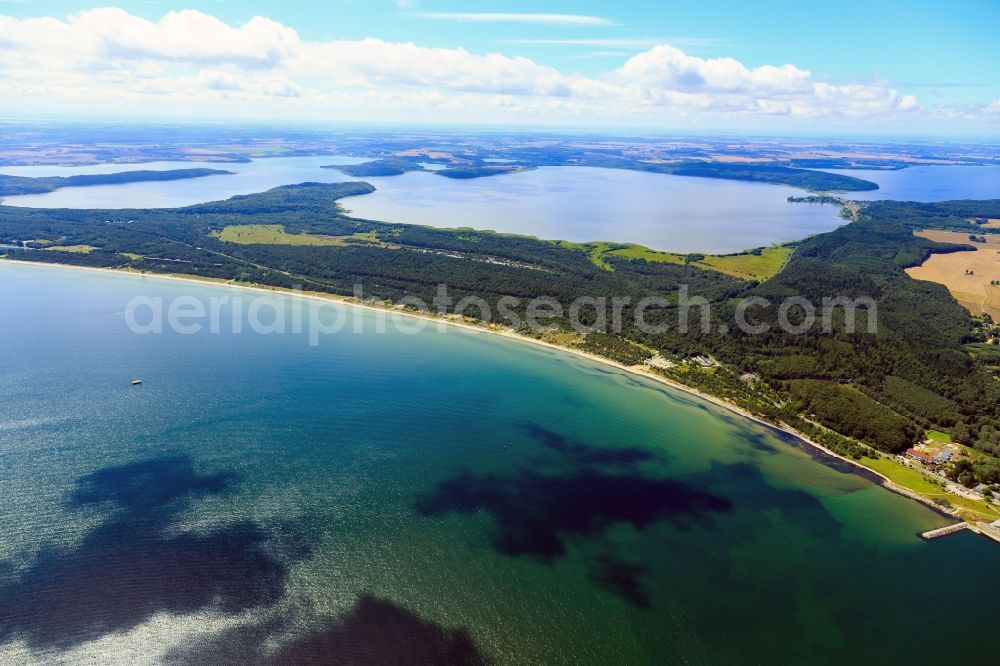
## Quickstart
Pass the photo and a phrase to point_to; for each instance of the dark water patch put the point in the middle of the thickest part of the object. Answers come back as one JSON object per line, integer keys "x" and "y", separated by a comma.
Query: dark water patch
{"x": 139, "y": 561}
{"x": 538, "y": 515}
{"x": 583, "y": 453}
{"x": 827, "y": 459}
{"x": 374, "y": 632}
{"x": 535, "y": 513}
{"x": 745, "y": 485}
{"x": 681, "y": 396}
{"x": 147, "y": 484}
{"x": 757, "y": 440}
{"x": 623, "y": 579}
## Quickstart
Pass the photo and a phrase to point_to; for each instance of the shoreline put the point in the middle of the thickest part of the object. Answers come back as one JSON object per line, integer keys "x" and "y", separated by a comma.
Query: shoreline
{"x": 634, "y": 370}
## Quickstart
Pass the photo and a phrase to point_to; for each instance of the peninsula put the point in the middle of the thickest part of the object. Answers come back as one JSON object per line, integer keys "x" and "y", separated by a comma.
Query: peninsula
{"x": 13, "y": 185}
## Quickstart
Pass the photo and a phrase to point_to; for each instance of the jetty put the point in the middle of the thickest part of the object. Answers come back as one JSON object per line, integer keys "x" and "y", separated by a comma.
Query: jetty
{"x": 991, "y": 530}
{"x": 944, "y": 531}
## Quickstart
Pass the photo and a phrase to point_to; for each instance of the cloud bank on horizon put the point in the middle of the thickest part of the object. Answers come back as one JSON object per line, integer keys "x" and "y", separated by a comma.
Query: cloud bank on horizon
{"x": 107, "y": 59}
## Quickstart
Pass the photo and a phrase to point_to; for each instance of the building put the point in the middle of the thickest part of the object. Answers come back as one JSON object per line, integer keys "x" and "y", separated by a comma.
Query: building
{"x": 919, "y": 456}
{"x": 705, "y": 361}
{"x": 658, "y": 361}
{"x": 942, "y": 457}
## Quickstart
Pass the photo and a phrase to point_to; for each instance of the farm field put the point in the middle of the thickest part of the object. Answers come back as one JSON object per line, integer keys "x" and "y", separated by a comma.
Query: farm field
{"x": 79, "y": 249}
{"x": 746, "y": 266}
{"x": 967, "y": 275}
{"x": 750, "y": 266}
{"x": 275, "y": 234}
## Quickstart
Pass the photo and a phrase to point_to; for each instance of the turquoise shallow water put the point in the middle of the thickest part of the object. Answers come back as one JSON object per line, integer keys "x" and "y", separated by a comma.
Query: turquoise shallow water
{"x": 448, "y": 497}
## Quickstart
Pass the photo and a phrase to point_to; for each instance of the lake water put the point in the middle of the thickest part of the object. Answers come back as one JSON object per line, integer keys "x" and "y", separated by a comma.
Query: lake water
{"x": 437, "y": 497}
{"x": 569, "y": 203}
{"x": 929, "y": 183}
{"x": 247, "y": 178}
{"x": 582, "y": 204}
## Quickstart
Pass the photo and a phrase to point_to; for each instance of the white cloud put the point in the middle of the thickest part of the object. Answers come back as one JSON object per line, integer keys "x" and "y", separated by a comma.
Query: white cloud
{"x": 193, "y": 60}
{"x": 976, "y": 113}
{"x": 510, "y": 17}
{"x": 373, "y": 62}
{"x": 211, "y": 80}
{"x": 667, "y": 67}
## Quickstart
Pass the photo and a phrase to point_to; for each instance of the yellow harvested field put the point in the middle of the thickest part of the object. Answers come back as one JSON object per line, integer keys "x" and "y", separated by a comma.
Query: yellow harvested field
{"x": 967, "y": 275}
{"x": 992, "y": 223}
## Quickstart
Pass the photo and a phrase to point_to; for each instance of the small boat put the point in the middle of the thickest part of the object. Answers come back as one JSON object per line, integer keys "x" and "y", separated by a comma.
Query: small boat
{"x": 136, "y": 382}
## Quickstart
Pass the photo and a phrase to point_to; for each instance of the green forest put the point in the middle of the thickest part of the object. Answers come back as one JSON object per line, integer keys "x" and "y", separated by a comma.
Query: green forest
{"x": 12, "y": 185}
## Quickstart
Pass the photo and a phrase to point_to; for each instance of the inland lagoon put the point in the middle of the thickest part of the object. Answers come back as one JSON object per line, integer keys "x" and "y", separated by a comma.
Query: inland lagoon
{"x": 928, "y": 182}
{"x": 581, "y": 204}
{"x": 450, "y": 497}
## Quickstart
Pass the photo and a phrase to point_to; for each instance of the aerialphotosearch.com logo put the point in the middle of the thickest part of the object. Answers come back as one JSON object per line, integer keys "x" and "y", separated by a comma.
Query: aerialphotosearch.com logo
{"x": 316, "y": 316}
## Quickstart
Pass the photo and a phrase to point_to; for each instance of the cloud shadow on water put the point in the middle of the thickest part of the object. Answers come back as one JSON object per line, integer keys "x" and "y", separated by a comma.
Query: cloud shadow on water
{"x": 758, "y": 441}
{"x": 541, "y": 512}
{"x": 580, "y": 453}
{"x": 538, "y": 509}
{"x": 537, "y": 513}
{"x": 374, "y": 632}
{"x": 578, "y": 493}
{"x": 623, "y": 579}
{"x": 140, "y": 561}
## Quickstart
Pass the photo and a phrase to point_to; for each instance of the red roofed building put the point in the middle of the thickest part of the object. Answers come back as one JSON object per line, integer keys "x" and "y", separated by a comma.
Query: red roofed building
{"x": 919, "y": 455}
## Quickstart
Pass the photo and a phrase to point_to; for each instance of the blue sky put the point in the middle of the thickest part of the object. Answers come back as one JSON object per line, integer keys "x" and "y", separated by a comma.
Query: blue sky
{"x": 927, "y": 66}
